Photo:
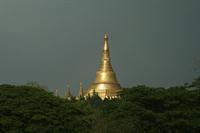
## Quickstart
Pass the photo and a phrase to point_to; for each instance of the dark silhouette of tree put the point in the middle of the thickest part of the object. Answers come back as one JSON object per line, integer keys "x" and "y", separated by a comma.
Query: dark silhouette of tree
{"x": 196, "y": 83}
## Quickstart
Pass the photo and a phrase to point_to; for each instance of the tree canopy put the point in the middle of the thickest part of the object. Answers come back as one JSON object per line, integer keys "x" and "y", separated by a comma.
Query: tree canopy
{"x": 25, "y": 109}
{"x": 141, "y": 109}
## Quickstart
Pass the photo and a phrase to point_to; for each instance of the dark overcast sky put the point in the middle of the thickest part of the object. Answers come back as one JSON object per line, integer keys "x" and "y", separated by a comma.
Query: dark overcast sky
{"x": 52, "y": 42}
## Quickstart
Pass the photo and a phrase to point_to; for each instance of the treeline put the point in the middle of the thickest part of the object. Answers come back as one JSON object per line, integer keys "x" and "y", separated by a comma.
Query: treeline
{"x": 25, "y": 109}
{"x": 144, "y": 109}
{"x": 141, "y": 109}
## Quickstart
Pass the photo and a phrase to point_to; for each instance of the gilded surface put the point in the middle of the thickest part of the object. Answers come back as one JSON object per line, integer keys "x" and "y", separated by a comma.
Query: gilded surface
{"x": 105, "y": 84}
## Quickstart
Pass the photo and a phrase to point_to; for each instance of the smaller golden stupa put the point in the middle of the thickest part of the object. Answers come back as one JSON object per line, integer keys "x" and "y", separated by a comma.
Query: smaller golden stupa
{"x": 105, "y": 84}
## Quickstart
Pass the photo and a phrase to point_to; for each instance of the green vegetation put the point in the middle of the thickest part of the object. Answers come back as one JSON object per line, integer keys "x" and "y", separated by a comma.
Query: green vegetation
{"x": 152, "y": 110}
{"x": 25, "y": 109}
{"x": 141, "y": 109}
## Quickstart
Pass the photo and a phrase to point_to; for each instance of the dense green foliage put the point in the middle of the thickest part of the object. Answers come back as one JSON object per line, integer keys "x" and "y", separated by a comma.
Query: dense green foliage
{"x": 25, "y": 109}
{"x": 152, "y": 110}
{"x": 141, "y": 109}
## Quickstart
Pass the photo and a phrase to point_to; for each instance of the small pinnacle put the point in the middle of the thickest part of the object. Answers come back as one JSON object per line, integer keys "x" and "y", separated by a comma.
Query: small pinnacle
{"x": 105, "y": 36}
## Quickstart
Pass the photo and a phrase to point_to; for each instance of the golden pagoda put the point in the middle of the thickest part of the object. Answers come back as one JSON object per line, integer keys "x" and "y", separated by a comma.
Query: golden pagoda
{"x": 105, "y": 84}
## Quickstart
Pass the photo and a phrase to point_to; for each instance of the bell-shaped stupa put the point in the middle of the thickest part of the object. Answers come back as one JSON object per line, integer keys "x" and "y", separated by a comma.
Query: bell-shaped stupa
{"x": 105, "y": 84}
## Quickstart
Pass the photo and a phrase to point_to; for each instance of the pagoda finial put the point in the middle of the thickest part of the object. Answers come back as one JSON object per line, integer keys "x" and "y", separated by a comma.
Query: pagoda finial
{"x": 105, "y": 42}
{"x": 106, "y": 36}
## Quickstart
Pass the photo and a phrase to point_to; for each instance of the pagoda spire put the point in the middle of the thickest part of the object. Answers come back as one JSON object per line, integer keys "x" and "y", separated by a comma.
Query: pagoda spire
{"x": 105, "y": 42}
{"x": 105, "y": 61}
{"x": 81, "y": 93}
{"x": 56, "y": 93}
{"x": 68, "y": 94}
